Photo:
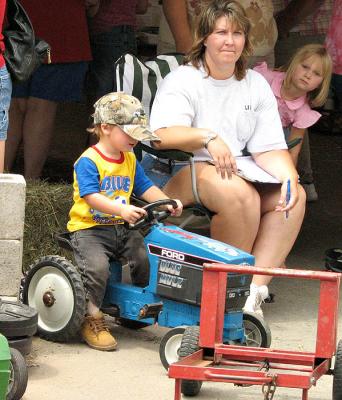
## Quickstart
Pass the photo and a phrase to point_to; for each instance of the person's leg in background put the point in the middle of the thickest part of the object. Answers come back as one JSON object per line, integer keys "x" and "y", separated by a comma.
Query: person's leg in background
{"x": 33, "y": 111}
{"x": 106, "y": 48}
{"x": 16, "y": 120}
{"x": 305, "y": 170}
{"x": 37, "y": 134}
{"x": 5, "y": 98}
{"x": 28, "y": 126}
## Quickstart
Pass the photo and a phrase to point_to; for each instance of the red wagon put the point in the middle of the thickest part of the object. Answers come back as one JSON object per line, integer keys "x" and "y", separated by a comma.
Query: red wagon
{"x": 206, "y": 358}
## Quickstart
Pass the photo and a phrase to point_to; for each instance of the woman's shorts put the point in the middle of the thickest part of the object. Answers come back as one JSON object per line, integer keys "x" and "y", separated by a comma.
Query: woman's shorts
{"x": 5, "y": 99}
{"x": 54, "y": 82}
{"x": 160, "y": 172}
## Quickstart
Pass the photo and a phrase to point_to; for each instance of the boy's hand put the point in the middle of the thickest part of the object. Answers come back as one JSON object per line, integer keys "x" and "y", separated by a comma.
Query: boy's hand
{"x": 131, "y": 213}
{"x": 176, "y": 212}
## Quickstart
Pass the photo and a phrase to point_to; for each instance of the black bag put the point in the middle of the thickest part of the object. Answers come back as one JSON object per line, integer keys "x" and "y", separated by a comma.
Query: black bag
{"x": 23, "y": 51}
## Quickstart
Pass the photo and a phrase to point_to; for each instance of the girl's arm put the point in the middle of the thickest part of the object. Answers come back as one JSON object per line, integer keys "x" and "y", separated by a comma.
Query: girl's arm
{"x": 176, "y": 15}
{"x": 296, "y": 133}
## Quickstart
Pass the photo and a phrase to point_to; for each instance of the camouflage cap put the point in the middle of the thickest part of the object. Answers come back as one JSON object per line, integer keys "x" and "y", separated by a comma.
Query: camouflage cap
{"x": 126, "y": 111}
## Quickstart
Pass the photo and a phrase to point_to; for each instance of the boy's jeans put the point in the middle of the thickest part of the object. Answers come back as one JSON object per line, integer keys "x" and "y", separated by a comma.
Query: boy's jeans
{"x": 95, "y": 247}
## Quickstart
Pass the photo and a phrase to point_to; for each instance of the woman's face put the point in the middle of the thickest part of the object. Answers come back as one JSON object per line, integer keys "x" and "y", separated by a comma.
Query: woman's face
{"x": 225, "y": 44}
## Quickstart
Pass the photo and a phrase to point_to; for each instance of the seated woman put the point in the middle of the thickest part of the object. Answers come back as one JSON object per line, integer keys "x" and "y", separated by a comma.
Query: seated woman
{"x": 214, "y": 107}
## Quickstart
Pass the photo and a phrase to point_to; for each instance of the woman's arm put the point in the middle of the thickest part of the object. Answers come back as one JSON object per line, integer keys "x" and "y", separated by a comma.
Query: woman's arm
{"x": 296, "y": 133}
{"x": 191, "y": 139}
{"x": 279, "y": 164}
{"x": 177, "y": 17}
{"x": 181, "y": 138}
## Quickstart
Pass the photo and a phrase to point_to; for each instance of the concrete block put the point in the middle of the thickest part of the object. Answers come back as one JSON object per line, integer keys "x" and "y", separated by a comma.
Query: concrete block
{"x": 10, "y": 266}
{"x": 12, "y": 206}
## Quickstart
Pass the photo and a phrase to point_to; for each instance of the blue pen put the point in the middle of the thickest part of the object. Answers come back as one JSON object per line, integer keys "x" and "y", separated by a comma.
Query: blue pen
{"x": 288, "y": 196}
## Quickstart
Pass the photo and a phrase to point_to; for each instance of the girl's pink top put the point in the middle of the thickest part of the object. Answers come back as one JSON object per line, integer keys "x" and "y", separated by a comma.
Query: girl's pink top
{"x": 334, "y": 37}
{"x": 296, "y": 112}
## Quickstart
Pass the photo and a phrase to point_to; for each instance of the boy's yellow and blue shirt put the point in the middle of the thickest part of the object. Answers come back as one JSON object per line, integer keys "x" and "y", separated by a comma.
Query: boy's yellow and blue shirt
{"x": 115, "y": 179}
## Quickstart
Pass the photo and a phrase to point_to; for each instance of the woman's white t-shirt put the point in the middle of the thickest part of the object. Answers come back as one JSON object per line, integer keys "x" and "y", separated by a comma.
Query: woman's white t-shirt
{"x": 244, "y": 113}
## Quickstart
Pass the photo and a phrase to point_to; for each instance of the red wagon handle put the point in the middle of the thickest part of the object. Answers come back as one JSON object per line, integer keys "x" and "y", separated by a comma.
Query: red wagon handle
{"x": 286, "y": 273}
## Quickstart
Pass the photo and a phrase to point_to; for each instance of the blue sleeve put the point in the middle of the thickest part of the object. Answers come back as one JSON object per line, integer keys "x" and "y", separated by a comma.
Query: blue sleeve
{"x": 141, "y": 181}
{"x": 87, "y": 176}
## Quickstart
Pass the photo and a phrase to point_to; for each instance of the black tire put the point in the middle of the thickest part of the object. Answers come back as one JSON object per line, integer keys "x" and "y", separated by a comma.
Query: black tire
{"x": 337, "y": 380}
{"x": 189, "y": 345}
{"x": 170, "y": 345}
{"x": 22, "y": 344}
{"x": 18, "y": 376}
{"x": 131, "y": 323}
{"x": 17, "y": 319}
{"x": 53, "y": 286}
{"x": 257, "y": 331}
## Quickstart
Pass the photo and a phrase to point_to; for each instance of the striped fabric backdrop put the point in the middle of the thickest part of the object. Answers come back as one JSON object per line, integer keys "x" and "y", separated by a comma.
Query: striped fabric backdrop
{"x": 141, "y": 79}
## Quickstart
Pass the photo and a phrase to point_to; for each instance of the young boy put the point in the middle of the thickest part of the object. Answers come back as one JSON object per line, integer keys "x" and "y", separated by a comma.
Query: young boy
{"x": 105, "y": 176}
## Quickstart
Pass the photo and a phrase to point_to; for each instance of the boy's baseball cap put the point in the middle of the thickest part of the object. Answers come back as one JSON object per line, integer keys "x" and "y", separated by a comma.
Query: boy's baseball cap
{"x": 126, "y": 111}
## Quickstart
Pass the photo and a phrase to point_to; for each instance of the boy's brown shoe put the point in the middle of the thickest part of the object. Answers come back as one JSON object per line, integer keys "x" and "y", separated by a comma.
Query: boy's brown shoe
{"x": 95, "y": 333}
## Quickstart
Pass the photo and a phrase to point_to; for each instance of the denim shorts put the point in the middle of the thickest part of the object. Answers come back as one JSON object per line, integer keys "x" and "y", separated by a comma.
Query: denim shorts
{"x": 94, "y": 248}
{"x": 106, "y": 48}
{"x": 160, "y": 172}
{"x": 5, "y": 99}
{"x": 54, "y": 82}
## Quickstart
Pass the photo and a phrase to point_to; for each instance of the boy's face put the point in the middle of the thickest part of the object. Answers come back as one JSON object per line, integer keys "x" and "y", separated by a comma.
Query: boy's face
{"x": 117, "y": 139}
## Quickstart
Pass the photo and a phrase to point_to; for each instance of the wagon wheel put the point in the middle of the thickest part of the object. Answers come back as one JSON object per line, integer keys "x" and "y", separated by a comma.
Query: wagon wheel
{"x": 189, "y": 345}
{"x": 18, "y": 376}
{"x": 54, "y": 288}
{"x": 170, "y": 345}
{"x": 337, "y": 380}
{"x": 257, "y": 331}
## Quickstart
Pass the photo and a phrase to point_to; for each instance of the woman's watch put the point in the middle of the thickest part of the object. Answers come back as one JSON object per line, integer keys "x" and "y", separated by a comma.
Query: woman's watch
{"x": 208, "y": 138}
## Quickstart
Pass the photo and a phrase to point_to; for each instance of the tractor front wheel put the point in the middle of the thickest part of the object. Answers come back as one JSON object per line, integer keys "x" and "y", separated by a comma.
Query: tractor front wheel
{"x": 189, "y": 345}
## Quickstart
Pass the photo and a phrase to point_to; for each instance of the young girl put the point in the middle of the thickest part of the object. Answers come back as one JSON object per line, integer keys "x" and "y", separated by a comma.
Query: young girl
{"x": 302, "y": 84}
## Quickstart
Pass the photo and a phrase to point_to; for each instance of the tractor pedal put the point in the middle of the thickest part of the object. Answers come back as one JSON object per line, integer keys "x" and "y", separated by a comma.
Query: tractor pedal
{"x": 111, "y": 310}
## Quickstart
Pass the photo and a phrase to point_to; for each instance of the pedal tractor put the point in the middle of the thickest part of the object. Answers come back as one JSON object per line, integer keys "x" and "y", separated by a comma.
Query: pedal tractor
{"x": 53, "y": 286}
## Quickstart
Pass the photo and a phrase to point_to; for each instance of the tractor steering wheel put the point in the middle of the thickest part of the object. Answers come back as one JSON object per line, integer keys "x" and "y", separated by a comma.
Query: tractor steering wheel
{"x": 152, "y": 216}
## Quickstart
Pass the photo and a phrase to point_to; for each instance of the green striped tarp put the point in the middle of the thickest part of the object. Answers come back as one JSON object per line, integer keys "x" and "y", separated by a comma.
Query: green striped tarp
{"x": 141, "y": 79}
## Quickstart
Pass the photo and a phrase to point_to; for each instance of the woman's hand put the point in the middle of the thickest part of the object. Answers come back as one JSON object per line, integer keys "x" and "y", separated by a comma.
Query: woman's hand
{"x": 176, "y": 212}
{"x": 222, "y": 157}
{"x": 131, "y": 214}
{"x": 288, "y": 195}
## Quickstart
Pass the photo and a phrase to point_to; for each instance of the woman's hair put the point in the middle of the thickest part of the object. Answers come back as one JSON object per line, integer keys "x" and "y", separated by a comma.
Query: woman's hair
{"x": 205, "y": 26}
{"x": 318, "y": 96}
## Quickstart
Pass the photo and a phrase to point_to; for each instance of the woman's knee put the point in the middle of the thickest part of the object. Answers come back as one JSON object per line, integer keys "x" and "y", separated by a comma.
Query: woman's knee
{"x": 230, "y": 195}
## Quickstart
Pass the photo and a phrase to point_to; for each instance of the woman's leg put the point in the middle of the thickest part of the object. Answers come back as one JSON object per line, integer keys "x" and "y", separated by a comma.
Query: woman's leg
{"x": 37, "y": 134}
{"x": 17, "y": 114}
{"x": 276, "y": 234}
{"x": 275, "y": 238}
{"x": 235, "y": 202}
